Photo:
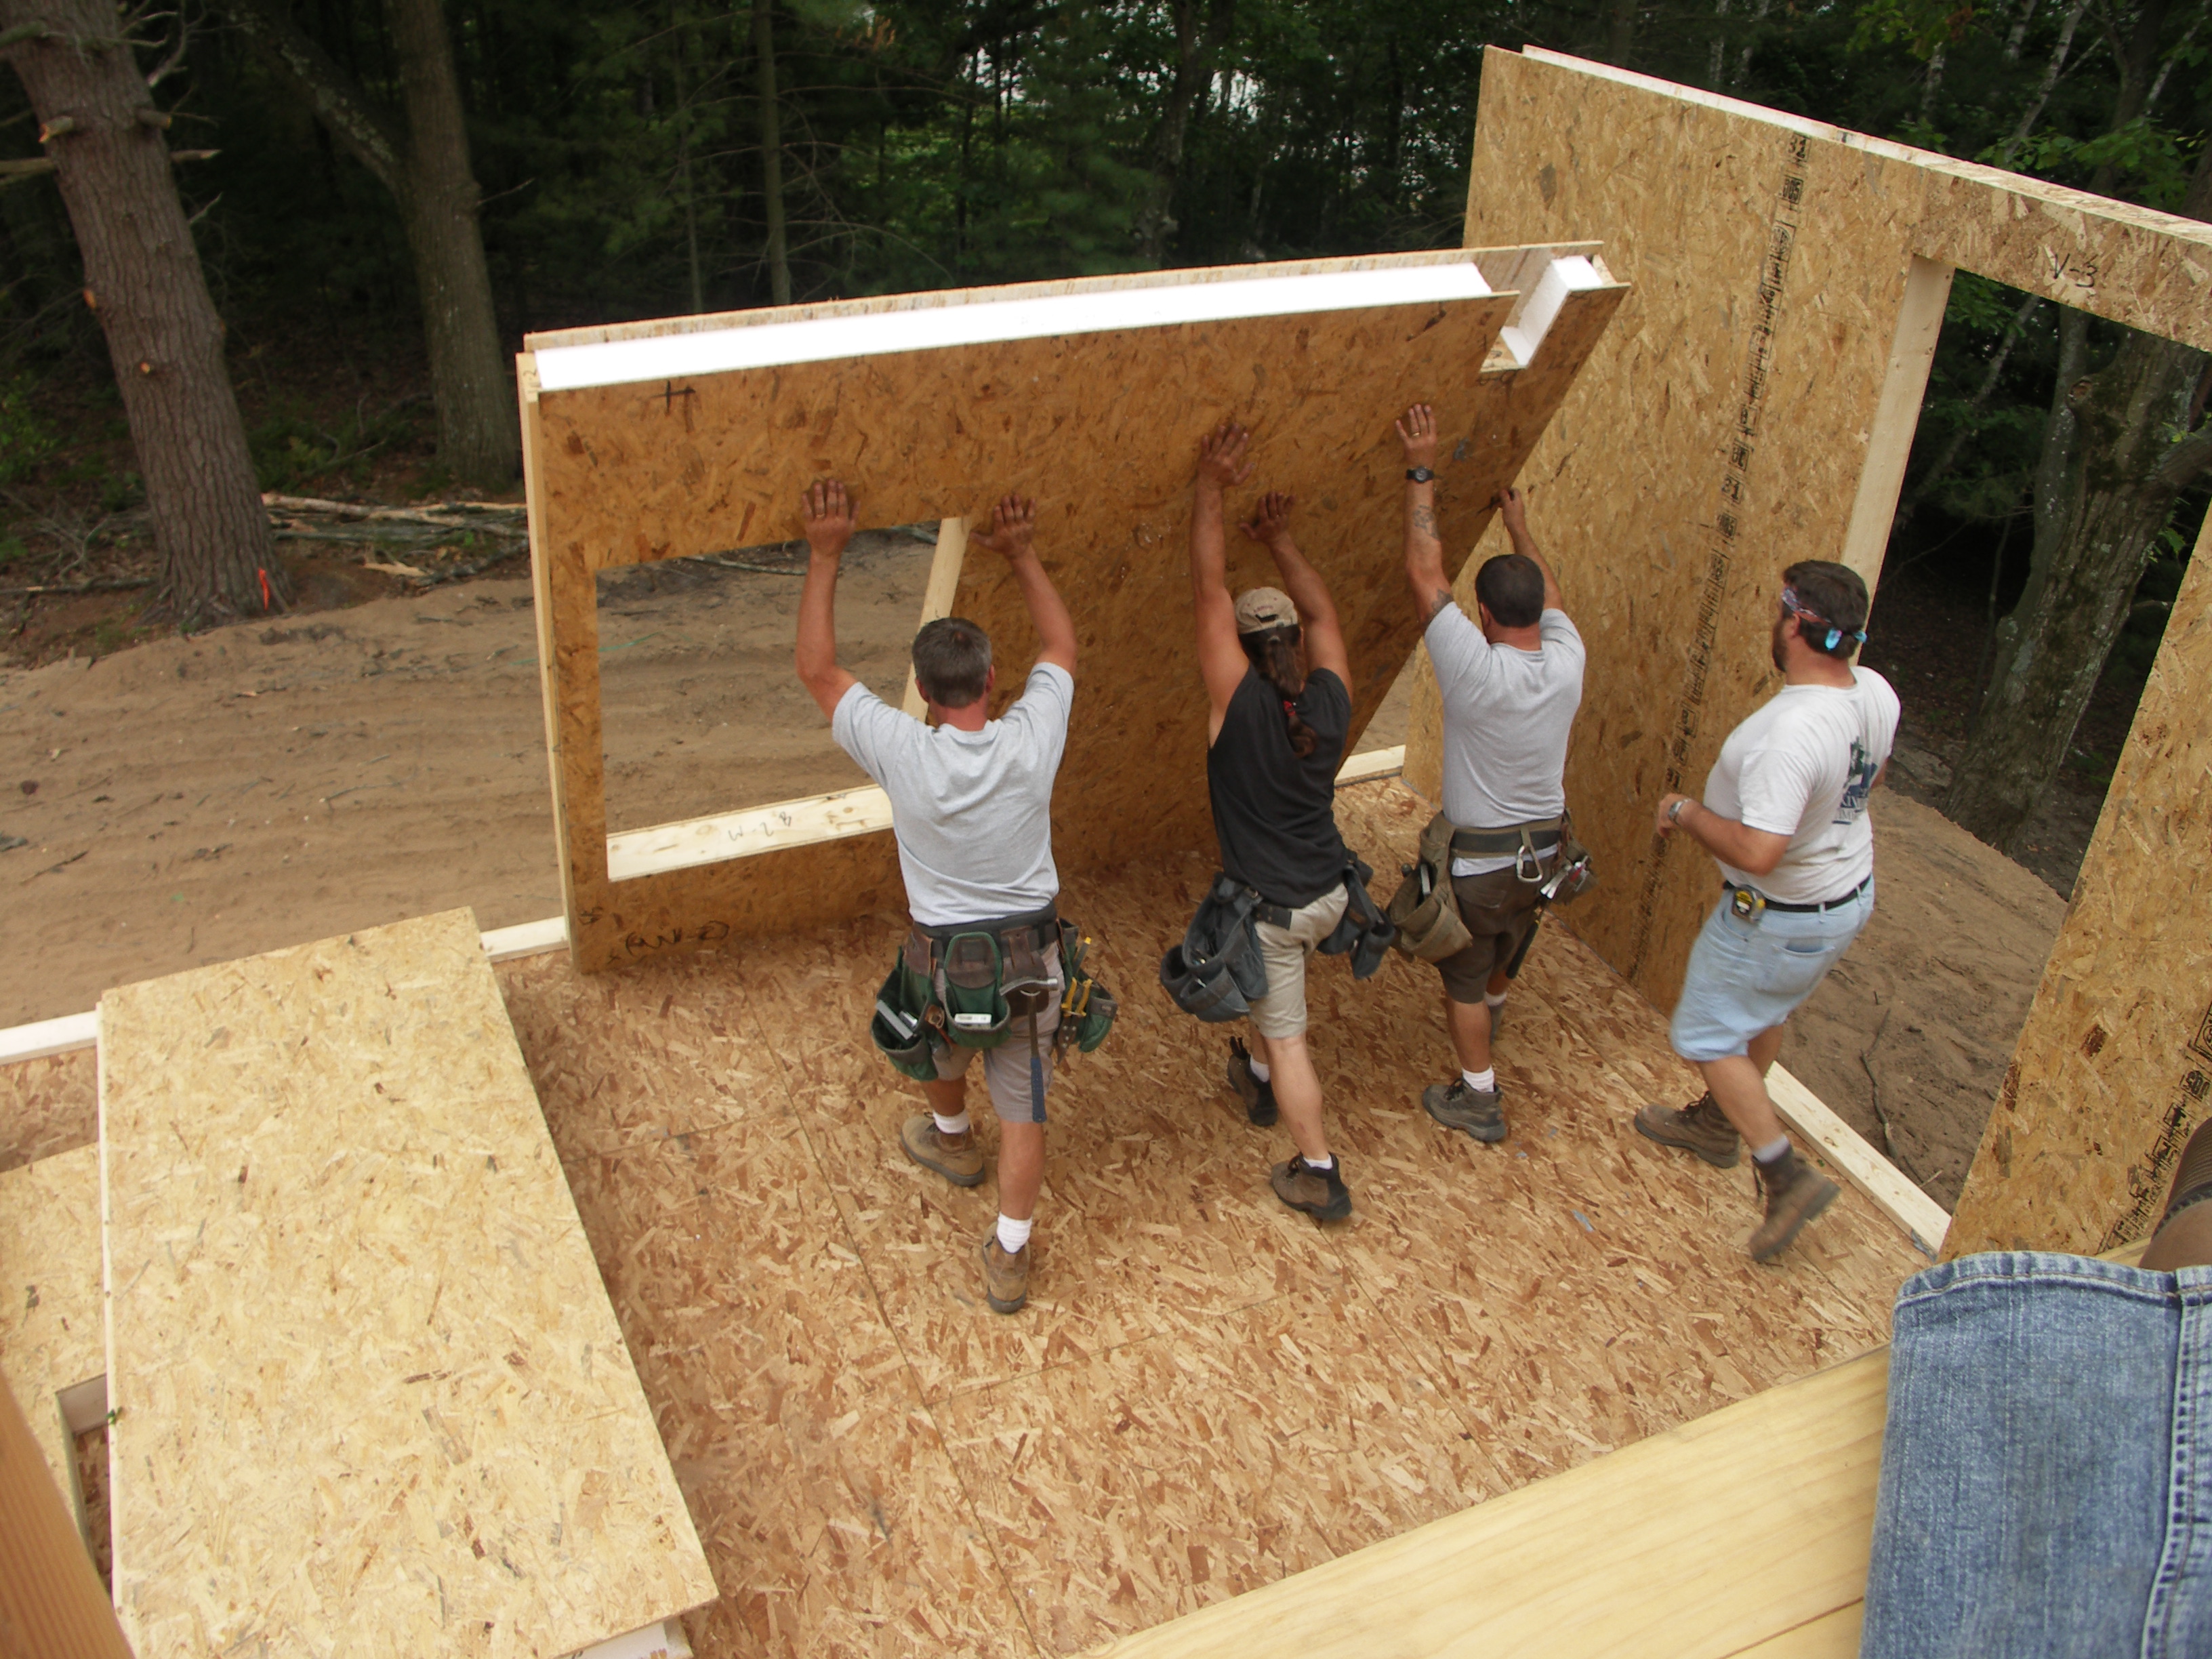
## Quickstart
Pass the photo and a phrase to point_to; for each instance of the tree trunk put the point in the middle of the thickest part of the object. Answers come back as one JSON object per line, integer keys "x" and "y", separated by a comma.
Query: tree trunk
{"x": 771, "y": 138}
{"x": 2110, "y": 470}
{"x": 143, "y": 281}
{"x": 1196, "y": 50}
{"x": 479, "y": 431}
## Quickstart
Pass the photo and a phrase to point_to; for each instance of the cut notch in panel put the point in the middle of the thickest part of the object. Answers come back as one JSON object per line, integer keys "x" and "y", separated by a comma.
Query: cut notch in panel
{"x": 1574, "y": 273}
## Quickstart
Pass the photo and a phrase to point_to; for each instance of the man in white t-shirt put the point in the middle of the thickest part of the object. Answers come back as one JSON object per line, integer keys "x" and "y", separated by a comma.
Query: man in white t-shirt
{"x": 1511, "y": 680}
{"x": 1784, "y": 815}
{"x": 971, "y": 810}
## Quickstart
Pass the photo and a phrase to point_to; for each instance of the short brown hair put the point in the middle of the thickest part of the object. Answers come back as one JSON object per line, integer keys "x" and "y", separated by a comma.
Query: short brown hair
{"x": 1832, "y": 594}
{"x": 1512, "y": 588}
{"x": 951, "y": 661}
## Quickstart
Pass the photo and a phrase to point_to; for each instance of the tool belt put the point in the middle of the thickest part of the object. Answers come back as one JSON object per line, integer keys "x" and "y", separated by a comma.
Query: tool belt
{"x": 1426, "y": 908}
{"x": 1749, "y": 902}
{"x": 967, "y": 985}
{"x": 1218, "y": 972}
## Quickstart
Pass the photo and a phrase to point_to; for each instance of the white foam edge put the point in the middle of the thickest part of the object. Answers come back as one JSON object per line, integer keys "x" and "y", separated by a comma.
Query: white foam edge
{"x": 1573, "y": 274}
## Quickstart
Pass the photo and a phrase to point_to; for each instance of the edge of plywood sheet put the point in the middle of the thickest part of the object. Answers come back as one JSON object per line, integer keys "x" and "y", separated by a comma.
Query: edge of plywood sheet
{"x": 1891, "y": 1191}
{"x": 1642, "y": 1550}
{"x": 43, "y": 1038}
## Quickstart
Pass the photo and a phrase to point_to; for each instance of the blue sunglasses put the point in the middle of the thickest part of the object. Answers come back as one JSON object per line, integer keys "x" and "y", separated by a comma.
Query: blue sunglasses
{"x": 1789, "y": 603}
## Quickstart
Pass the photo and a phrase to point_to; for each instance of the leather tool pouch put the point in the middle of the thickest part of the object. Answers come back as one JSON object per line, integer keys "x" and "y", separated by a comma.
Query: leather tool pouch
{"x": 1364, "y": 932}
{"x": 1087, "y": 1008}
{"x": 1425, "y": 910}
{"x": 1217, "y": 971}
{"x": 971, "y": 977}
{"x": 900, "y": 1026}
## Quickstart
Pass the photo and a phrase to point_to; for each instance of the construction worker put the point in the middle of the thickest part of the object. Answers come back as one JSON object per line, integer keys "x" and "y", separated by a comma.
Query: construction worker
{"x": 1511, "y": 680}
{"x": 1784, "y": 816}
{"x": 1277, "y": 681}
{"x": 971, "y": 810}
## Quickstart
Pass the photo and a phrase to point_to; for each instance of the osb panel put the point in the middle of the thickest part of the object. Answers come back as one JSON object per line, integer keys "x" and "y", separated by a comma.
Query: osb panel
{"x": 2114, "y": 1066}
{"x": 52, "y": 1336}
{"x": 622, "y": 476}
{"x": 371, "y": 1397}
{"x": 47, "y": 1106}
{"x": 1206, "y": 1391}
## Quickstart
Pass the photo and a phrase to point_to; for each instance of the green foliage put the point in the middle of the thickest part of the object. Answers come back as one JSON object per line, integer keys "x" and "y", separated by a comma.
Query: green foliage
{"x": 12, "y": 549}
{"x": 2141, "y": 152}
{"x": 121, "y": 491}
{"x": 291, "y": 453}
{"x": 25, "y": 441}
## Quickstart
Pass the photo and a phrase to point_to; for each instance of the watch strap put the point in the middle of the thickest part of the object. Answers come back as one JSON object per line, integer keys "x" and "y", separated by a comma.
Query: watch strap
{"x": 1419, "y": 475}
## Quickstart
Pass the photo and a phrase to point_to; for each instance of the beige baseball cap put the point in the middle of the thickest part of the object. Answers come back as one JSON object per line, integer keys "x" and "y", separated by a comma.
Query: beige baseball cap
{"x": 1261, "y": 607}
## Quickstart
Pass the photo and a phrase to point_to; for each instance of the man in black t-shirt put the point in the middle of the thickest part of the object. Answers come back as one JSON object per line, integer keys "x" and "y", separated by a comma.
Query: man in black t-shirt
{"x": 1275, "y": 735}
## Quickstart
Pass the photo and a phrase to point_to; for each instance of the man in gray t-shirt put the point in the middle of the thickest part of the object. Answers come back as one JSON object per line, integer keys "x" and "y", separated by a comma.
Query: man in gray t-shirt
{"x": 1510, "y": 687}
{"x": 971, "y": 810}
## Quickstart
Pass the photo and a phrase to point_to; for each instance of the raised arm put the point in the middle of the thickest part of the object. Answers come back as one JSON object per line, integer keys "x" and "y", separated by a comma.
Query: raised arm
{"x": 1425, "y": 549}
{"x": 1324, "y": 634}
{"x": 1014, "y": 525}
{"x": 1221, "y": 660}
{"x": 1514, "y": 512}
{"x": 825, "y": 513}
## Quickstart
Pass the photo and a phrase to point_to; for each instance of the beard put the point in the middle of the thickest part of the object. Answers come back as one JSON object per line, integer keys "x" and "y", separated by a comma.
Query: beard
{"x": 1781, "y": 659}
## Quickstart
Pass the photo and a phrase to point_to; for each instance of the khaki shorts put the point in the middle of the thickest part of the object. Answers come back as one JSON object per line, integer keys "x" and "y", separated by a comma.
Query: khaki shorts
{"x": 1282, "y": 1011}
{"x": 1498, "y": 908}
{"x": 1016, "y": 1095}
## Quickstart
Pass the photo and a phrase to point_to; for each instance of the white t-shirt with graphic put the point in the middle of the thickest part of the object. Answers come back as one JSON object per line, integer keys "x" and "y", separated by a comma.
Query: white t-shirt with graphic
{"x": 1802, "y": 766}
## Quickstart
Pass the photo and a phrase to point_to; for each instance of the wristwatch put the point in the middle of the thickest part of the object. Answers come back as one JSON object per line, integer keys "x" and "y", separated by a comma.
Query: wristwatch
{"x": 1419, "y": 475}
{"x": 1675, "y": 812}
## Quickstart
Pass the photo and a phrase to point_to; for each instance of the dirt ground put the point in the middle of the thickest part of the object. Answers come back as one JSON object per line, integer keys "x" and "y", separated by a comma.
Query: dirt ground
{"x": 191, "y": 801}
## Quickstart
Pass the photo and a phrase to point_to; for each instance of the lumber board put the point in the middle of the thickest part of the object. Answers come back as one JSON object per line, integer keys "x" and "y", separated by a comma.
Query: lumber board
{"x": 1925, "y": 1222}
{"x": 2113, "y": 1072}
{"x": 1749, "y": 406}
{"x": 51, "y": 1601}
{"x": 1738, "y": 1530}
{"x": 53, "y": 1329}
{"x": 624, "y": 473}
{"x": 369, "y": 1394}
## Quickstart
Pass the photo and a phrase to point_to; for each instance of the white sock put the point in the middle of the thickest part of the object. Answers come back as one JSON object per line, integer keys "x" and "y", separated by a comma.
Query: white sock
{"x": 1323, "y": 1165}
{"x": 1482, "y": 1081}
{"x": 1261, "y": 1071}
{"x": 1773, "y": 1149}
{"x": 951, "y": 1126}
{"x": 1489, "y": 1001}
{"x": 1013, "y": 1235}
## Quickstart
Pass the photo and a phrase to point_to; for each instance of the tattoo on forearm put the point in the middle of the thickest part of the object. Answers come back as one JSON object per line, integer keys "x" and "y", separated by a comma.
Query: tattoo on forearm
{"x": 1424, "y": 519}
{"x": 1437, "y": 601}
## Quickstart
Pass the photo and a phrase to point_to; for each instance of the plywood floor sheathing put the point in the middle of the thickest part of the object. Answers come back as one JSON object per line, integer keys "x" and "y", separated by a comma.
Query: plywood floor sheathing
{"x": 1206, "y": 1392}
{"x": 53, "y": 1332}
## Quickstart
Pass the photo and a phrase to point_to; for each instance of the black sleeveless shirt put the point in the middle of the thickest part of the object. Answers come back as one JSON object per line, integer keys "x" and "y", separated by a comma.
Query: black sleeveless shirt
{"x": 1274, "y": 815}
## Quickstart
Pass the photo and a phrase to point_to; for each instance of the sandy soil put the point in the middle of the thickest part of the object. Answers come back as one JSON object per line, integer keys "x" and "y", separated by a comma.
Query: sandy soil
{"x": 189, "y": 801}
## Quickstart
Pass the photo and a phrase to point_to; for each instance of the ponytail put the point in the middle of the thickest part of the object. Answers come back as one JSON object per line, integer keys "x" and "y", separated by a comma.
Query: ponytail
{"x": 1275, "y": 656}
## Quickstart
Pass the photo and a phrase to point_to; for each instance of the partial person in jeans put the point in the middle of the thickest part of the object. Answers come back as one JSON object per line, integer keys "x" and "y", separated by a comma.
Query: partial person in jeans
{"x": 1511, "y": 680}
{"x": 2046, "y": 1463}
{"x": 1784, "y": 816}
{"x": 971, "y": 810}
{"x": 1277, "y": 681}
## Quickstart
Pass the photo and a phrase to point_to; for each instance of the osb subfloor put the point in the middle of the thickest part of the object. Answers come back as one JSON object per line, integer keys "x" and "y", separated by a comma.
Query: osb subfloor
{"x": 1207, "y": 1391}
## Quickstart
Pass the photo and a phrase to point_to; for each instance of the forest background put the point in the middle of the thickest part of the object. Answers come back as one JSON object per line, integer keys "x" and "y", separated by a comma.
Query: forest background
{"x": 383, "y": 194}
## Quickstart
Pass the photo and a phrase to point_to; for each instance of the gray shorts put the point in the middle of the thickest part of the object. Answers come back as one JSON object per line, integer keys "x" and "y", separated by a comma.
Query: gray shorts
{"x": 1016, "y": 1093}
{"x": 1282, "y": 1011}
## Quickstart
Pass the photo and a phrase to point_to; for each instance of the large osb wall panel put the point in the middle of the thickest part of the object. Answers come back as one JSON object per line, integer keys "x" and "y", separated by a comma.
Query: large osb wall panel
{"x": 1101, "y": 430}
{"x": 2114, "y": 1066}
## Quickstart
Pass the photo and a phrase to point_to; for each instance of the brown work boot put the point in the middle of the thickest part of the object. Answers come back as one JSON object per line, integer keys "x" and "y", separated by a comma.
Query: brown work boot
{"x": 925, "y": 1143}
{"x": 1006, "y": 1278}
{"x": 1794, "y": 1193}
{"x": 1320, "y": 1192}
{"x": 1259, "y": 1097}
{"x": 1702, "y": 1128}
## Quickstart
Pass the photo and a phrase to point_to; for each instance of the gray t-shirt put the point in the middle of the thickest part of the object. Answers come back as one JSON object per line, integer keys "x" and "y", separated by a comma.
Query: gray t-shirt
{"x": 972, "y": 810}
{"x": 1507, "y": 715}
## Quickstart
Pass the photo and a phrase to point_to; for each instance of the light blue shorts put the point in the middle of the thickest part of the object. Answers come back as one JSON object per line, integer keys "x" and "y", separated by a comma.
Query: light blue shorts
{"x": 1745, "y": 976}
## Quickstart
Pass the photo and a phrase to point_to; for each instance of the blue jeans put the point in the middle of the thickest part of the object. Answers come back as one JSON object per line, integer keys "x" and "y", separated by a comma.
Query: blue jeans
{"x": 2046, "y": 1471}
{"x": 1746, "y": 977}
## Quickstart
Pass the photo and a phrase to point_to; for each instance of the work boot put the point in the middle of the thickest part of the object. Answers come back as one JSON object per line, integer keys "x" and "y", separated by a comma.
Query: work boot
{"x": 1259, "y": 1097}
{"x": 1006, "y": 1278}
{"x": 924, "y": 1144}
{"x": 1456, "y": 1106}
{"x": 1320, "y": 1192}
{"x": 1794, "y": 1193}
{"x": 1701, "y": 1127}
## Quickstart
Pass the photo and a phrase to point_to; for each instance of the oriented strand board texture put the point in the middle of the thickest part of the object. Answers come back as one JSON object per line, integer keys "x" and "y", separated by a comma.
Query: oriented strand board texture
{"x": 53, "y": 1332}
{"x": 1206, "y": 1392}
{"x": 47, "y": 1106}
{"x": 1721, "y": 427}
{"x": 1101, "y": 429}
{"x": 2114, "y": 1066}
{"x": 370, "y": 1395}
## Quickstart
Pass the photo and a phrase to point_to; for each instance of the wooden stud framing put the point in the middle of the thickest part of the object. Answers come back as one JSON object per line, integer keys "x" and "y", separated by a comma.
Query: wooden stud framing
{"x": 626, "y": 473}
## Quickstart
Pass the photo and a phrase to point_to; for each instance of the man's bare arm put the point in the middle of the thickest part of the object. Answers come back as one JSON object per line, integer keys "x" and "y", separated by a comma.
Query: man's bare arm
{"x": 1013, "y": 525}
{"x": 1514, "y": 511}
{"x": 825, "y": 513}
{"x": 1324, "y": 633}
{"x": 1221, "y": 660}
{"x": 1756, "y": 852}
{"x": 1425, "y": 548}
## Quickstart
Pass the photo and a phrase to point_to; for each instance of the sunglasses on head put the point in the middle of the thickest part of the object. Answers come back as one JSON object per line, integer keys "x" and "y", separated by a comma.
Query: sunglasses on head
{"x": 1789, "y": 602}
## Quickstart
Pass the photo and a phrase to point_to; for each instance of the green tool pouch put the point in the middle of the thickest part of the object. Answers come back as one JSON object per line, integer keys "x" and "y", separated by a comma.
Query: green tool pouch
{"x": 969, "y": 988}
{"x": 900, "y": 1027}
{"x": 1086, "y": 1007}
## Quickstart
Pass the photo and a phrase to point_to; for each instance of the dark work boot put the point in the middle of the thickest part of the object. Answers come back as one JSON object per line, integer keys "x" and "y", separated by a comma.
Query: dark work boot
{"x": 1259, "y": 1097}
{"x": 1794, "y": 1193}
{"x": 1458, "y": 1107}
{"x": 1701, "y": 1127}
{"x": 1320, "y": 1192}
